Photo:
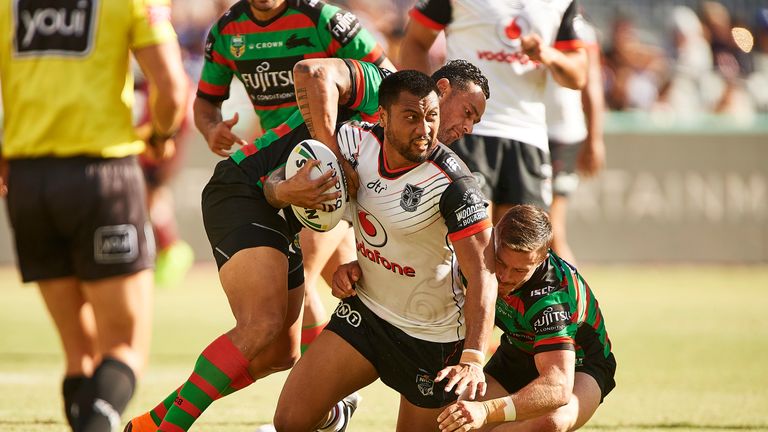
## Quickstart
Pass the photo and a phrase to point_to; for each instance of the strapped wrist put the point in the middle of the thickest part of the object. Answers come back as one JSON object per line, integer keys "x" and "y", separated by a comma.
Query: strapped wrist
{"x": 500, "y": 410}
{"x": 472, "y": 357}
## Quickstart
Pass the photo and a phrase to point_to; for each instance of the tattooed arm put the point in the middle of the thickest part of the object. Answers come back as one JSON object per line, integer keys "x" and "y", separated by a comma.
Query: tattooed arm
{"x": 321, "y": 86}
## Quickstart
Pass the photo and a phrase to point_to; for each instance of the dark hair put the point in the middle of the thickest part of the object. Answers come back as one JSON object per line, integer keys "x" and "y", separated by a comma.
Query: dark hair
{"x": 524, "y": 228}
{"x": 412, "y": 81}
{"x": 461, "y": 73}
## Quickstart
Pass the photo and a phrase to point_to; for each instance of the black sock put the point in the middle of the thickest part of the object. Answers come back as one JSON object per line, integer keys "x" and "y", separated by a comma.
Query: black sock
{"x": 104, "y": 397}
{"x": 69, "y": 388}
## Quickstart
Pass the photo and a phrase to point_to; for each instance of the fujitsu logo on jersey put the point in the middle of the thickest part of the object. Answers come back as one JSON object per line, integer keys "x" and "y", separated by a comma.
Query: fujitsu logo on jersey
{"x": 264, "y": 79}
{"x": 551, "y": 315}
{"x": 344, "y": 27}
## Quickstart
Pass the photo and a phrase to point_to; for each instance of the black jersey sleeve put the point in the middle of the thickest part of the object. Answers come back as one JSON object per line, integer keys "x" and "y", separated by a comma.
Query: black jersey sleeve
{"x": 434, "y": 14}
{"x": 464, "y": 208}
{"x": 568, "y": 34}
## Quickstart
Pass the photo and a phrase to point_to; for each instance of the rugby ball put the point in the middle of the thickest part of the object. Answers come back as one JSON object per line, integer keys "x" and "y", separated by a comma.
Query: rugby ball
{"x": 318, "y": 220}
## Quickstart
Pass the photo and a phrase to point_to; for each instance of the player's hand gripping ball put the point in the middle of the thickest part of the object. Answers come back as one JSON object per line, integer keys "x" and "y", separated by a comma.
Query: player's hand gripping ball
{"x": 319, "y": 220}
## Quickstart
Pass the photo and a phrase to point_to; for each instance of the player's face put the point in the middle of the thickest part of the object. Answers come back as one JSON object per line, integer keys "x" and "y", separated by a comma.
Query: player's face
{"x": 460, "y": 110}
{"x": 514, "y": 268}
{"x": 265, "y": 5}
{"x": 410, "y": 127}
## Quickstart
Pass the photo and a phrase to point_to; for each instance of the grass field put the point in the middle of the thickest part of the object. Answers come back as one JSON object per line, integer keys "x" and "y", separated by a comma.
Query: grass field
{"x": 691, "y": 345}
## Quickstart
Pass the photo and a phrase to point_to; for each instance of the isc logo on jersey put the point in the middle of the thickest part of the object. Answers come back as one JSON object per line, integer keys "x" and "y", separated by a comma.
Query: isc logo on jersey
{"x": 64, "y": 30}
{"x": 318, "y": 220}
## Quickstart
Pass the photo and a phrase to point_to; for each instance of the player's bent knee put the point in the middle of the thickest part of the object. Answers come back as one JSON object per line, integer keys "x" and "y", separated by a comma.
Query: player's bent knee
{"x": 285, "y": 421}
{"x": 264, "y": 327}
{"x": 286, "y": 361}
{"x": 557, "y": 421}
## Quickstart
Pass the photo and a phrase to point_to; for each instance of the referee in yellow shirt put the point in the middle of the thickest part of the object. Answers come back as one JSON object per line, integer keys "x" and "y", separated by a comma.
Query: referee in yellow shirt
{"x": 75, "y": 193}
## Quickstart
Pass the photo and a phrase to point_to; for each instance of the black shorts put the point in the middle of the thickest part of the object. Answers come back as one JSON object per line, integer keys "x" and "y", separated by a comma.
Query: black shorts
{"x": 565, "y": 180}
{"x": 79, "y": 216}
{"x": 508, "y": 171}
{"x": 514, "y": 369}
{"x": 404, "y": 363}
{"x": 237, "y": 216}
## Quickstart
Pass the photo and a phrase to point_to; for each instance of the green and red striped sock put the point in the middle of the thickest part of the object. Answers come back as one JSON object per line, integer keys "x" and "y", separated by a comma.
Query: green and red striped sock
{"x": 158, "y": 413}
{"x": 220, "y": 370}
{"x": 310, "y": 333}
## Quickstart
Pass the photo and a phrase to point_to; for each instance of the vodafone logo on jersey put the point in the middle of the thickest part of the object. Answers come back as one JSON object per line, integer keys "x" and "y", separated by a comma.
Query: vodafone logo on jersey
{"x": 373, "y": 233}
{"x": 370, "y": 229}
{"x": 509, "y": 30}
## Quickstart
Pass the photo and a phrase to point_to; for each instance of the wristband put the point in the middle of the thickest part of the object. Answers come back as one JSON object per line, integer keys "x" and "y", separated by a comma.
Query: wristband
{"x": 156, "y": 137}
{"x": 472, "y": 357}
{"x": 500, "y": 410}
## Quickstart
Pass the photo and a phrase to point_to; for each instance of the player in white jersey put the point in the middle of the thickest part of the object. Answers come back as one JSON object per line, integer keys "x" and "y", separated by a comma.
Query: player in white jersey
{"x": 420, "y": 296}
{"x": 575, "y": 129}
{"x": 515, "y": 43}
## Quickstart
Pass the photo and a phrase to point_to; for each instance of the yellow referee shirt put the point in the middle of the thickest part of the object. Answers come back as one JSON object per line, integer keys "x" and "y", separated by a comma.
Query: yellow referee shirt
{"x": 65, "y": 75}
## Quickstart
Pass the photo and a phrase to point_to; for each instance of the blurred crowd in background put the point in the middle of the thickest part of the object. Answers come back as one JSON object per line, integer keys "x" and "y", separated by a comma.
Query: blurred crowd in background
{"x": 681, "y": 58}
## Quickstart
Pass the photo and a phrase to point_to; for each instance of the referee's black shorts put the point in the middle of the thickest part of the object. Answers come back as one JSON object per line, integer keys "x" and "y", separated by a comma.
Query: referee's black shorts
{"x": 79, "y": 216}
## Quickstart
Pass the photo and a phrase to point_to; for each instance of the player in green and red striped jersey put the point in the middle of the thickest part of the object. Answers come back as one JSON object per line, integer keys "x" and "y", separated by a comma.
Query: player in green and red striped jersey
{"x": 259, "y": 42}
{"x": 554, "y": 365}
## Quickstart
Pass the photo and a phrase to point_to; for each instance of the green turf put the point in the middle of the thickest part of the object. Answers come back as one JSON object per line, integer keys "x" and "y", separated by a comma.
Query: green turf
{"x": 691, "y": 345}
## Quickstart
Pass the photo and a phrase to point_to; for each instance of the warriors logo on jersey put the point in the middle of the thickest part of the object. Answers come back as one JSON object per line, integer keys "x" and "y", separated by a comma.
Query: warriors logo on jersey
{"x": 410, "y": 198}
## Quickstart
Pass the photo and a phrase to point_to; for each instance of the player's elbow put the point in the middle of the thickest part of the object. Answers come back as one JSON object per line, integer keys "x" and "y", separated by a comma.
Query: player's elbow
{"x": 313, "y": 69}
{"x": 561, "y": 397}
{"x": 560, "y": 391}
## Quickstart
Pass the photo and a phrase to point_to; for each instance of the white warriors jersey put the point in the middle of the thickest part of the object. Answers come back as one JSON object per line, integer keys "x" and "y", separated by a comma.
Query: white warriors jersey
{"x": 405, "y": 221}
{"x": 566, "y": 123}
{"x": 487, "y": 33}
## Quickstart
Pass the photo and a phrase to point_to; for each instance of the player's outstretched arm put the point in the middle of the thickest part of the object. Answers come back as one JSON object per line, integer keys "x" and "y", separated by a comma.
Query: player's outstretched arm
{"x": 475, "y": 255}
{"x": 550, "y": 390}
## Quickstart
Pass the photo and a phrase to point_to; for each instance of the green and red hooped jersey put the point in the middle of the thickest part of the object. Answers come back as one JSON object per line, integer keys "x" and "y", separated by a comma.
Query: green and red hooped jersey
{"x": 554, "y": 310}
{"x": 270, "y": 151}
{"x": 262, "y": 54}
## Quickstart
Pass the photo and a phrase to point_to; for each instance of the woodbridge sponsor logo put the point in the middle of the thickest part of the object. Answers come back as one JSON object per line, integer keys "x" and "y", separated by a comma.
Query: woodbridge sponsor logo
{"x": 505, "y": 56}
{"x": 470, "y": 211}
{"x": 375, "y": 256}
{"x": 551, "y": 315}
